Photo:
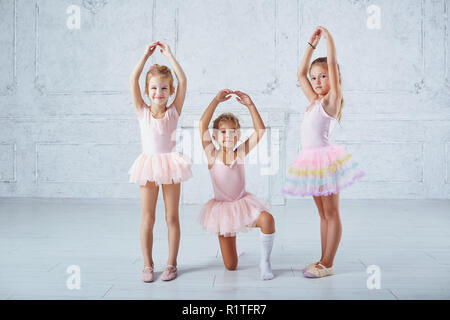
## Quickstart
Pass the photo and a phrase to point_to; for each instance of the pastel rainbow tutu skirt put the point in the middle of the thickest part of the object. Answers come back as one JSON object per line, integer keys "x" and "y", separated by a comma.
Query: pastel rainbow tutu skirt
{"x": 321, "y": 171}
{"x": 161, "y": 168}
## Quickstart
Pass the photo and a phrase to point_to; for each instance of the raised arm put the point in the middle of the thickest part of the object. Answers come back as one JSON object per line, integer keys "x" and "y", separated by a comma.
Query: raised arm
{"x": 205, "y": 120}
{"x": 335, "y": 93}
{"x": 245, "y": 147}
{"x": 135, "y": 89}
{"x": 179, "y": 73}
{"x": 302, "y": 73}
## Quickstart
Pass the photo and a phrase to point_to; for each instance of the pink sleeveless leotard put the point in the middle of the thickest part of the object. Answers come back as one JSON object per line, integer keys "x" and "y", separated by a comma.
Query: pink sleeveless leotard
{"x": 159, "y": 161}
{"x": 321, "y": 168}
{"x": 228, "y": 181}
{"x": 232, "y": 209}
{"x": 158, "y": 135}
{"x": 316, "y": 127}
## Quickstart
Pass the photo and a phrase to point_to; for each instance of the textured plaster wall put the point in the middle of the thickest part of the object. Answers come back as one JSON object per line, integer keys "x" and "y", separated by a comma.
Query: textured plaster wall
{"x": 68, "y": 128}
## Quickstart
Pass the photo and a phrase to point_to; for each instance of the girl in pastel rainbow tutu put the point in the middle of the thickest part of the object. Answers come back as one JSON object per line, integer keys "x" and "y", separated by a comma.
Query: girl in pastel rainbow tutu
{"x": 159, "y": 164}
{"x": 233, "y": 209}
{"x": 322, "y": 169}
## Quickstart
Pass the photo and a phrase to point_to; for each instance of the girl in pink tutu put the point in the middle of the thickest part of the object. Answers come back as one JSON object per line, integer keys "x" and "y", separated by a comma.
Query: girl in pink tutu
{"x": 159, "y": 164}
{"x": 322, "y": 169}
{"x": 233, "y": 209}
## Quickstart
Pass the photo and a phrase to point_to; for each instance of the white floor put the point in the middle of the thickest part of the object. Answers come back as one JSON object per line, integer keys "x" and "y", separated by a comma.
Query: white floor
{"x": 40, "y": 238}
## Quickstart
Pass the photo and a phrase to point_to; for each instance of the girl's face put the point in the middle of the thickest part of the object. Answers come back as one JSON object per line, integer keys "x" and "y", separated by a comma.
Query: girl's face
{"x": 227, "y": 134}
{"x": 319, "y": 79}
{"x": 159, "y": 90}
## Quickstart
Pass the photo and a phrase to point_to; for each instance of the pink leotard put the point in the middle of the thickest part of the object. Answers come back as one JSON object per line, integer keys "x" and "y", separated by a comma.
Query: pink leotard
{"x": 159, "y": 161}
{"x": 316, "y": 127}
{"x": 232, "y": 209}
{"x": 158, "y": 135}
{"x": 228, "y": 181}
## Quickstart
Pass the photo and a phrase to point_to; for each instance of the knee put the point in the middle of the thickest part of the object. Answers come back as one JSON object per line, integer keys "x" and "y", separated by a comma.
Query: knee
{"x": 148, "y": 219}
{"x": 331, "y": 214}
{"x": 172, "y": 219}
{"x": 231, "y": 265}
{"x": 266, "y": 219}
{"x": 322, "y": 215}
{"x": 269, "y": 219}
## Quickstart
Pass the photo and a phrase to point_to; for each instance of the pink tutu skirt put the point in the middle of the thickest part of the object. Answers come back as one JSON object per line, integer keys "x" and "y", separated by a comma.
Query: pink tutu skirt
{"x": 226, "y": 218}
{"x": 321, "y": 172}
{"x": 162, "y": 168}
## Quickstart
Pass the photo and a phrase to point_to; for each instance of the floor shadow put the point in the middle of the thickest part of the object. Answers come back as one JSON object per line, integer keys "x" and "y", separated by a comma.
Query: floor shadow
{"x": 283, "y": 272}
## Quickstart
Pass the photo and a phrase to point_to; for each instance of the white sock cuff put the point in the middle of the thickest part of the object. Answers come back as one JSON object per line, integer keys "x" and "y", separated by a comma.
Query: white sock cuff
{"x": 266, "y": 236}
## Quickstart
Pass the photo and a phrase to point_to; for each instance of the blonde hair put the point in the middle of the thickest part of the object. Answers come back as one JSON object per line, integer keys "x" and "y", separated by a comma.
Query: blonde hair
{"x": 227, "y": 116}
{"x": 323, "y": 60}
{"x": 157, "y": 70}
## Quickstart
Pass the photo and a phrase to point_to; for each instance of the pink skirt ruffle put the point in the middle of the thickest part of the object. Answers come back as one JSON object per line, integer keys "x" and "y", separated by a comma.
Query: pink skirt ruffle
{"x": 321, "y": 172}
{"x": 226, "y": 218}
{"x": 161, "y": 168}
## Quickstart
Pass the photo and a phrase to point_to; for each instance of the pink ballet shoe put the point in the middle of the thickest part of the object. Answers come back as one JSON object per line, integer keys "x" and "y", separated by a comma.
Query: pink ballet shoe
{"x": 148, "y": 276}
{"x": 318, "y": 271}
{"x": 308, "y": 265}
{"x": 169, "y": 273}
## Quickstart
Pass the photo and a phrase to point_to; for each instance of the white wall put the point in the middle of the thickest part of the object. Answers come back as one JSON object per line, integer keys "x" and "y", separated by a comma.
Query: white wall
{"x": 68, "y": 128}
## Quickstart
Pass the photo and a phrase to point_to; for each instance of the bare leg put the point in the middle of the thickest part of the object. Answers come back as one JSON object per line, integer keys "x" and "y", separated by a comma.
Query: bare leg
{"x": 229, "y": 254}
{"x": 266, "y": 222}
{"x": 171, "y": 195}
{"x": 334, "y": 228}
{"x": 149, "y": 196}
{"x": 323, "y": 225}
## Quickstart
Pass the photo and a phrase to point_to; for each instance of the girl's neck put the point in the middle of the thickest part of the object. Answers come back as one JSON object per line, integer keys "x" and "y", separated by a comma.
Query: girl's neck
{"x": 158, "y": 107}
{"x": 157, "y": 110}
{"x": 227, "y": 154}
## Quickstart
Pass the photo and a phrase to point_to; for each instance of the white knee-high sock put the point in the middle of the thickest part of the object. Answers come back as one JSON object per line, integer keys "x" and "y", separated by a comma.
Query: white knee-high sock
{"x": 266, "y": 249}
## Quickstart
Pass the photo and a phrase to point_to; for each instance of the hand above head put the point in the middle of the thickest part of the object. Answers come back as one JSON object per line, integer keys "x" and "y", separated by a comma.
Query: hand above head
{"x": 151, "y": 48}
{"x": 223, "y": 95}
{"x": 165, "y": 49}
{"x": 323, "y": 32}
{"x": 243, "y": 98}
{"x": 315, "y": 38}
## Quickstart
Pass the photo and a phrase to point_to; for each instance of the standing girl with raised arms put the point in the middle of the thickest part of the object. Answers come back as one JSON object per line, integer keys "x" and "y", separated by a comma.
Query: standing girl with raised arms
{"x": 322, "y": 169}
{"x": 159, "y": 164}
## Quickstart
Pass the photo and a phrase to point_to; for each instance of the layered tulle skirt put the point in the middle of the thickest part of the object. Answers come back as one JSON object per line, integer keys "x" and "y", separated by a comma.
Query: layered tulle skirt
{"x": 321, "y": 172}
{"x": 226, "y": 218}
{"x": 161, "y": 168}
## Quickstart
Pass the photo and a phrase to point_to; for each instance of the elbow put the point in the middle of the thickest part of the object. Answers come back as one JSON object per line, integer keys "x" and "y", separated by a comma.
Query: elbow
{"x": 182, "y": 80}
{"x": 202, "y": 125}
{"x": 133, "y": 78}
{"x": 336, "y": 90}
{"x": 261, "y": 131}
{"x": 302, "y": 78}
{"x": 302, "y": 72}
